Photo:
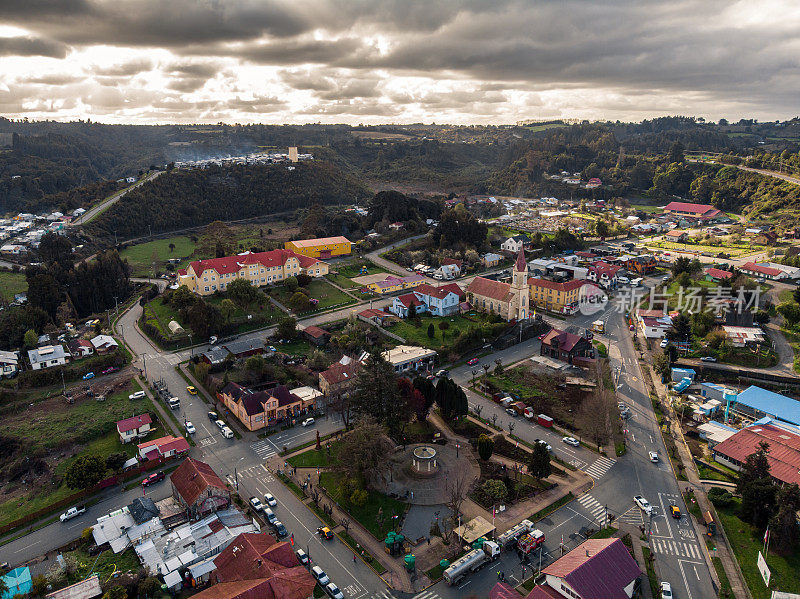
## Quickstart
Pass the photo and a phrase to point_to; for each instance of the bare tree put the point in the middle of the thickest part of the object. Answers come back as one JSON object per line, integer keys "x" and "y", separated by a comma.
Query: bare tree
{"x": 341, "y": 404}
{"x": 511, "y": 426}
{"x": 456, "y": 491}
{"x": 478, "y": 409}
{"x": 494, "y": 419}
{"x": 346, "y": 524}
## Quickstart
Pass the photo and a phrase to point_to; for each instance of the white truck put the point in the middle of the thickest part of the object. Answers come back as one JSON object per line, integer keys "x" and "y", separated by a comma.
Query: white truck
{"x": 73, "y": 512}
{"x": 510, "y": 536}
{"x": 471, "y": 562}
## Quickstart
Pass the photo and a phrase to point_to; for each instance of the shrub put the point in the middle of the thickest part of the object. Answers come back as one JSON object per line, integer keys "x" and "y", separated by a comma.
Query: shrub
{"x": 721, "y": 497}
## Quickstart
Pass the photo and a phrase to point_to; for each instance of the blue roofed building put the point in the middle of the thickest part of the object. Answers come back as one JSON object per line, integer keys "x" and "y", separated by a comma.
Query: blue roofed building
{"x": 755, "y": 402}
{"x": 18, "y": 582}
{"x": 682, "y": 373}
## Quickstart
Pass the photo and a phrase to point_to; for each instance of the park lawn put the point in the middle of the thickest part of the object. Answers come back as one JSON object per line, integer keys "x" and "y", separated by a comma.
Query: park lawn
{"x": 647, "y": 208}
{"x": 418, "y": 335}
{"x": 313, "y": 458}
{"x": 12, "y": 283}
{"x": 746, "y": 543}
{"x": 318, "y": 289}
{"x": 297, "y": 347}
{"x": 353, "y": 269}
{"x": 367, "y": 515}
{"x": 140, "y": 256}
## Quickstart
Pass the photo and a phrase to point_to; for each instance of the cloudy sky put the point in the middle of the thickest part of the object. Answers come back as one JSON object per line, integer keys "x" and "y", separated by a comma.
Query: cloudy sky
{"x": 381, "y": 61}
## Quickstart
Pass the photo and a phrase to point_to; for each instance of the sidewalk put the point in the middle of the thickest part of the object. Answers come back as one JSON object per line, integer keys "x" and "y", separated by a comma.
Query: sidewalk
{"x": 724, "y": 553}
{"x": 396, "y": 575}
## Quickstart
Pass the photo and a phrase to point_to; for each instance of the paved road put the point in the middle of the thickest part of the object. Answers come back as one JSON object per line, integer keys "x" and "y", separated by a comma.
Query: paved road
{"x": 679, "y": 557}
{"x": 90, "y": 214}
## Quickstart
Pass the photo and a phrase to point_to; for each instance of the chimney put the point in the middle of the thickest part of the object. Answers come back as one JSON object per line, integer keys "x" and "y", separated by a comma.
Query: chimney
{"x": 587, "y": 553}
{"x": 260, "y": 561}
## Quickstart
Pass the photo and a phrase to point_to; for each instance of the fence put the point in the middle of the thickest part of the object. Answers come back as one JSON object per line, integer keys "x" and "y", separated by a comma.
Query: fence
{"x": 76, "y": 497}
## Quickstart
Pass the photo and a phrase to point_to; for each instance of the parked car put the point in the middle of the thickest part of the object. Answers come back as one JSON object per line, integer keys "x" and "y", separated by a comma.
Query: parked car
{"x": 653, "y": 456}
{"x": 443, "y": 372}
{"x": 110, "y": 369}
{"x": 88, "y": 375}
{"x": 643, "y": 504}
{"x": 256, "y": 503}
{"x": 308, "y": 422}
{"x": 708, "y": 359}
{"x": 333, "y": 591}
{"x": 320, "y": 575}
{"x": 675, "y": 511}
{"x": 302, "y": 557}
{"x": 220, "y": 424}
{"x": 137, "y": 395}
{"x": 545, "y": 443}
{"x": 270, "y": 500}
{"x": 473, "y": 361}
{"x": 325, "y": 532}
{"x": 270, "y": 516}
{"x": 666, "y": 590}
{"x": 213, "y": 416}
{"x": 190, "y": 429}
{"x": 664, "y": 343}
{"x": 511, "y": 412}
{"x": 280, "y": 529}
{"x": 571, "y": 441}
{"x": 191, "y": 390}
{"x": 154, "y": 478}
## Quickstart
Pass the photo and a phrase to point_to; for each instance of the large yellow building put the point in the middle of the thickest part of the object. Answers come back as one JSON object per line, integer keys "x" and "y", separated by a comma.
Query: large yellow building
{"x": 324, "y": 247}
{"x": 554, "y": 296}
{"x": 204, "y": 277}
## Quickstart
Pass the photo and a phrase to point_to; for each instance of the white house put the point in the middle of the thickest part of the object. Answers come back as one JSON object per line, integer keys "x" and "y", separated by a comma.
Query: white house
{"x": 449, "y": 271}
{"x": 439, "y": 301}
{"x": 103, "y": 343}
{"x": 9, "y": 363}
{"x": 515, "y": 244}
{"x": 603, "y": 273}
{"x": 47, "y": 356}
{"x": 408, "y": 357}
{"x": 134, "y": 427}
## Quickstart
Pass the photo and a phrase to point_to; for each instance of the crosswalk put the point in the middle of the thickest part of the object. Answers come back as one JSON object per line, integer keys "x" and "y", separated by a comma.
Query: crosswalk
{"x": 426, "y": 595}
{"x": 264, "y": 449}
{"x": 600, "y": 466}
{"x": 675, "y": 547}
{"x": 591, "y": 505}
{"x": 634, "y": 515}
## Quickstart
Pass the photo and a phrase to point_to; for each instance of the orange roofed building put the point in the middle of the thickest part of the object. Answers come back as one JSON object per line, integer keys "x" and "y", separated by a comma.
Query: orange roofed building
{"x": 198, "y": 489}
{"x": 509, "y": 300}
{"x": 256, "y": 566}
{"x": 204, "y": 277}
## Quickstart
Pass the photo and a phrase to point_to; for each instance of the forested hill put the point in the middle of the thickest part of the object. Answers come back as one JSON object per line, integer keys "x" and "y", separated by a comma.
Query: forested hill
{"x": 188, "y": 198}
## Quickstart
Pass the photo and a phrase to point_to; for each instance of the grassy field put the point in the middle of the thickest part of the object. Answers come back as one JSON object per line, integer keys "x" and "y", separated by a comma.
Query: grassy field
{"x": 731, "y": 250}
{"x": 367, "y": 515}
{"x": 546, "y": 126}
{"x": 647, "y": 208}
{"x": 746, "y": 543}
{"x": 140, "y": 257}
{"x": 12, "y": 283}
{"x": 53, "y": 424}
{"x": 416, "y": 331}
{"x": 313, "y": 458}
{"x": 319, "y": 289}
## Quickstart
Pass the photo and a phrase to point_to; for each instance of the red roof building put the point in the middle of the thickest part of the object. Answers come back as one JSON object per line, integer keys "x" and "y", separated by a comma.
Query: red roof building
{"x": 759, "y": 270}
{"x": 783, "y": 456}
{"x": 717, "y": 274}
{"x": 259, "y": 409}
{"x": 338, "y": 377}
{"x": 595, "y": 569}
{"x": 256, "y": 566}
{"x": 164, "y": 447}
{"x": 489, "y": 288}
{"x": 133, "y": 428}
{"x": 564, "y": 346}
{"x": 700, "y": 211}
{"x": 198, "y": 489}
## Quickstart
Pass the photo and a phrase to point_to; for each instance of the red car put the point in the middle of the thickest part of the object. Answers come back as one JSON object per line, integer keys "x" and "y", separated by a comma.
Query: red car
{"x": 110, "y": 369}
{"x": 153, "y": 478}
{"x": 473, "y": 361}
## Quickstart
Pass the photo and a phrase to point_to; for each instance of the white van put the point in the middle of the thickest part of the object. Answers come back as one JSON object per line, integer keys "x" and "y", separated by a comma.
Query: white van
{"x": 137, "y": 395}
{"x": 174, "y": 403}
{"x": 227, "y": 433}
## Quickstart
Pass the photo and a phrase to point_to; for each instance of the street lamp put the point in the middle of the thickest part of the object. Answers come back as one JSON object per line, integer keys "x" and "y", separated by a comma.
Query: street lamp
{"x": 144, "y": 363}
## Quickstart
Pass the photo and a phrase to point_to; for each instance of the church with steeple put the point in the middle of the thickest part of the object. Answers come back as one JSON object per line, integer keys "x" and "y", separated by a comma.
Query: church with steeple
{"x": 509, "y": 300}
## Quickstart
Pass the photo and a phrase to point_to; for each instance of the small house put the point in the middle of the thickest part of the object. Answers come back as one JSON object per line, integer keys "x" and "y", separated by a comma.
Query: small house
{"x": 316, "y": 335}
{"x": 134, "y": 427}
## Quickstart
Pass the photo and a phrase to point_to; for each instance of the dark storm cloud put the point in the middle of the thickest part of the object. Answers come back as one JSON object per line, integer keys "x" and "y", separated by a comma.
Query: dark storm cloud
{"x": 125, "y": 69}
{"x": 32, "y": 46}
{"x": 170, "y": 23}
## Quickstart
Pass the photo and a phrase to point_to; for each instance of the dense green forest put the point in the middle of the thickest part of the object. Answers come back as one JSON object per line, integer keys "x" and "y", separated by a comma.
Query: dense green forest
{"x": 188, "y": 198}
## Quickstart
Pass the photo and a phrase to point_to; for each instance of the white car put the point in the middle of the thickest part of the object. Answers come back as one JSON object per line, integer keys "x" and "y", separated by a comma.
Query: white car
{"x": 653, "y": 456}
{"x": 643, "y": 504}
{"x": 571, "y": 441}
{"x": 545, "y": 443}
{"x": 666, "y": 590}
{"x": 270, "y": 500}
{"x": 333, "y": 591}
{"x": 664, "y": 343}
{"x": 220, "y": 424}
{"x": 256, "y": 503}
{"x": 308, "y": 422}
{"x": 190, "y": 428}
